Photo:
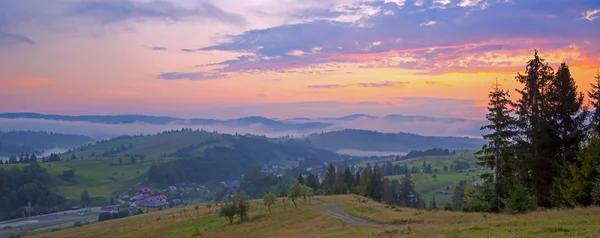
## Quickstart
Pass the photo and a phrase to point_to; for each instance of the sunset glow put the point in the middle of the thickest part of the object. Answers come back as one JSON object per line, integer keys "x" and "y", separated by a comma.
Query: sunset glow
{"x": 282, "y": 58}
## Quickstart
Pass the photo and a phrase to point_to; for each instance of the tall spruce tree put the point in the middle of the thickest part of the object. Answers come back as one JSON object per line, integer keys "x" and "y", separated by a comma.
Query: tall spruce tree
{"x": 594, "y": 96}
{"x": 497, "y": 153}
{"x": 567, "y": 118}
{"x": 534, "y": 151}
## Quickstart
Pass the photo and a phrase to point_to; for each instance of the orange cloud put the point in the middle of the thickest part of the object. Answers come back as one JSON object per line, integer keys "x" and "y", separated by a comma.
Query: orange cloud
{"x": 25, "y": 82}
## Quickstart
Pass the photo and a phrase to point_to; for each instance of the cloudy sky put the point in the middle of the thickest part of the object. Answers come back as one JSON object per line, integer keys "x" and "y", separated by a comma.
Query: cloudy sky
{"x": 282, "y": 58}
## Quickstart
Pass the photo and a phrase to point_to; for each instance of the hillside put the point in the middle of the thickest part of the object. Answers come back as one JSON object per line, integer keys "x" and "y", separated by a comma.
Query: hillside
{"x": 109, "y": 166}
{"x": 343, "y": 216}
{"x": 36, "y": 142}
{"x": 398, "y": 142}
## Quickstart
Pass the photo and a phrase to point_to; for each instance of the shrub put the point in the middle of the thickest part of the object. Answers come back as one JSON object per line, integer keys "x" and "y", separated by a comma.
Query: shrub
{"x": 77, "y": 224}
{"x": 448, "y": 207}
{"x": 228, "y": 211}
{"x": 520, "y": 201}
{"x": 105, "y": 216}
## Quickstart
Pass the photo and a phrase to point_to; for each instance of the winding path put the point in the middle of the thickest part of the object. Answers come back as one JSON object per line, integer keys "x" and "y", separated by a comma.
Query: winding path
{"x": 334, "y": 210}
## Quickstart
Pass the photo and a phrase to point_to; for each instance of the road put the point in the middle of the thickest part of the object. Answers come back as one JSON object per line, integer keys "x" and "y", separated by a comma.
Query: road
{"x": 46, "y": 221}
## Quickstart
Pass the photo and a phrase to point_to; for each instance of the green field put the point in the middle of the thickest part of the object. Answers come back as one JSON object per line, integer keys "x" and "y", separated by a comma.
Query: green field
{"x": 428, "y": 187}
{"x": 445, "y": 181}
{"x": 97, "y": 176}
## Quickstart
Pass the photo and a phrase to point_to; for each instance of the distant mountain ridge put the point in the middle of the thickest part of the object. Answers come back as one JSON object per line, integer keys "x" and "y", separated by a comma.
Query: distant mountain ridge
{"x": 163, "y": 120}
{"x": 398, "y": 142}
{"x": 274, "y": 127}
{"x": 34, "y": 142}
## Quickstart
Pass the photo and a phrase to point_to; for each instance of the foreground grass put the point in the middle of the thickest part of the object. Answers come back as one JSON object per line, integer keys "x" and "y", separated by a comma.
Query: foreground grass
{"x": 284, "y": 221}
{"x": 578, "y": 222}
{"x": 311, "y": 221}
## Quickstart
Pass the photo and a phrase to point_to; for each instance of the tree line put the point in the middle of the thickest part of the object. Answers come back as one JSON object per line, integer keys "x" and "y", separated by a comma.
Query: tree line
{"x": 368, "y": 181}
{"x": 544, "y": 147}
{"x": 32, "y": 185}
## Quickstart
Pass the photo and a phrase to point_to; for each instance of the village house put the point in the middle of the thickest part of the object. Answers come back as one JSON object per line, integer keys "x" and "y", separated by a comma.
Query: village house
{"x": 107, "y": 209}
{"x": 151, "y": 206}
{"x": 143, "y": 190}
{"x": 156, "y": 198}
{"x": 138, "y": 197}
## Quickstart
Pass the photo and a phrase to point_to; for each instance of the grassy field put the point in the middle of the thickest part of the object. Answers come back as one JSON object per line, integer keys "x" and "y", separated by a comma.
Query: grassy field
{"x": 153, "y": 146}
{"x": 579, "y": 222}
{"x": 284, "y": 221}
{"x": 95, "y": 175}
{"x": 428, "y": 187}
{"x": 310, "y": 221}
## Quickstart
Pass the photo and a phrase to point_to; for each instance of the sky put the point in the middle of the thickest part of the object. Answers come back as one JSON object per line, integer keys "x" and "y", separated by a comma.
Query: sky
{"x": 283, "y": 58}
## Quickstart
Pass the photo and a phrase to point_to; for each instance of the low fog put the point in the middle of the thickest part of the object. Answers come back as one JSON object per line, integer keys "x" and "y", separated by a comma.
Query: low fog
{"x": 469, "y": 128}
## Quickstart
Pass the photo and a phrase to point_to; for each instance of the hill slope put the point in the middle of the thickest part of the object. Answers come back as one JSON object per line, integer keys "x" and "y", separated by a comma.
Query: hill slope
{"x": 109, "y": 166}
{"x": 320, "y": 219}
{"x": 400, "y": 142}
{"x": 34, "y": 142}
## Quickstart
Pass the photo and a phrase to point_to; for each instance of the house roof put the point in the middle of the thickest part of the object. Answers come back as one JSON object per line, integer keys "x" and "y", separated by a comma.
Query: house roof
{"x": 155, "y": 203}
{"x": 106, "y": 209}
{"x": 159, "y": 197}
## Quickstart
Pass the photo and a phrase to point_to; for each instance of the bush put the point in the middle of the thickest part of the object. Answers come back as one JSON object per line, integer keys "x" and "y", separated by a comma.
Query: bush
{"x": 105, "y": 216}
{"x": 448, "y": 207}
{"x": 228, "y": 211}
{"x": 121, "y": 214}
{"x": 520, "y": 201}
{"x": 77, "y": 224}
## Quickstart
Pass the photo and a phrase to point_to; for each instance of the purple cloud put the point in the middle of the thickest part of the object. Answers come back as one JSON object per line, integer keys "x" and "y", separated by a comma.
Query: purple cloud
{"x": 462, "y": 27}
{"x": 112, "y": 11}
{"x": 13, "y": 39}
{"x": 188, "y": 76}
{"x": 382, "y": 84}
{"x": 159, "y": 48}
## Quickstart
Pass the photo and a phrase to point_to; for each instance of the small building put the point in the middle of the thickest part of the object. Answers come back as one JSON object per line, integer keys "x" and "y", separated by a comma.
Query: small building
{"x": 172, "y": 188}
{"x": 107, "y": 209}
{"x": 309, "y": 169}
{"x": 156, "y": 198}
{"x": 151, "y": 206}
{"x": 138, "y": 197}
{"x": 126, "y": 196}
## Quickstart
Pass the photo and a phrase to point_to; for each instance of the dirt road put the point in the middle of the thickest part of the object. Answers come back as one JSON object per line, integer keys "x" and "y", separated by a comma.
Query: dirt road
{"x": 334, "y": 210}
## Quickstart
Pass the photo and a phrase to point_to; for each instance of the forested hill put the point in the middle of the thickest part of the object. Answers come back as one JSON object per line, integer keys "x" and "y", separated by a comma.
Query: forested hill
{"x": 33, "y": 142}
{"x": 378, "y": 141}
{"x": 196, "y": 155}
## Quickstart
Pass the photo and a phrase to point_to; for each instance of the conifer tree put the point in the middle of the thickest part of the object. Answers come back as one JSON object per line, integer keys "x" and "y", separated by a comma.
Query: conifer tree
{"x": 497, "y": 154}
{"x": 566, "y": 117}
{"x": 594, "y": 96}
{"x": 533, "y": 139}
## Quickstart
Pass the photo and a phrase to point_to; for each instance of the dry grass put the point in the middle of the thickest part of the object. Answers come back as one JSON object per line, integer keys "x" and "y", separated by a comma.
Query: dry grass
{"x": 310, "y": 221}
{"x": 284, "y": 221}
{"x": 579, "y": 222}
